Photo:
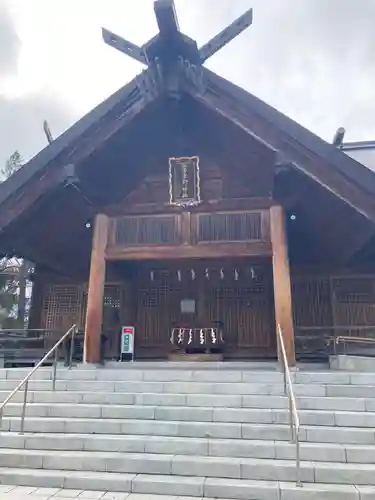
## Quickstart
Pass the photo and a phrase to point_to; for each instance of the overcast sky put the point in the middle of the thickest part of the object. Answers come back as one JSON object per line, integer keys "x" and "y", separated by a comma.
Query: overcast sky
{"x": 311, "y": 59}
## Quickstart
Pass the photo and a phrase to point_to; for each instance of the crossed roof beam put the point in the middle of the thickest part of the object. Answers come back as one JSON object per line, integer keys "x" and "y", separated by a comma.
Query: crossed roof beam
{"x": 169, "y": 30}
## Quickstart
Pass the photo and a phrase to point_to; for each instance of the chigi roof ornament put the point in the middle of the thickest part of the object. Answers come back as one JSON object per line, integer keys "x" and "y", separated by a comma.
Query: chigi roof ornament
{"x": 170, "y": 48}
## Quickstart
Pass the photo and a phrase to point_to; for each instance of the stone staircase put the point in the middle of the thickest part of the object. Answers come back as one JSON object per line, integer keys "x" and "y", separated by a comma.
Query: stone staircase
{"x": 217, "y": 431}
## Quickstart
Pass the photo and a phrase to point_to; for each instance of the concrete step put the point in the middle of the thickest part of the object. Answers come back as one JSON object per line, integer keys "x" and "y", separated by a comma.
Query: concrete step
{"x": 163, "y": 387}
{"x": 188, "y": 375}
{"x": 194, "y": 400}
{"x": 183, "y": 486}
{"x": 191, "y": 466}
{"x": 212, "y": 430}
{"x": 150, "y": 375}
{"x": 318, "y": 452}
{"x": 193, "y": 414}
{"x": 197, "y": 388}
{"x": 203, "y": 388}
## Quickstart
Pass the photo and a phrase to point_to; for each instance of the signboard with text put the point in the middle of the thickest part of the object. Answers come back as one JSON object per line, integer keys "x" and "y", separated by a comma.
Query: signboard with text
{"x": 127, "y": 340}
{"x": 184, "y": 181}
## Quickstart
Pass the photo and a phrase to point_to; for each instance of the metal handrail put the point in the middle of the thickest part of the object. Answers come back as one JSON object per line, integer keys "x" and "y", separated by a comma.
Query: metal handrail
{"x": 293, "y": 413}
{"x": 346, "y": 339}
{"x": 361, "y": 340}
{"x": 25, "y": 382}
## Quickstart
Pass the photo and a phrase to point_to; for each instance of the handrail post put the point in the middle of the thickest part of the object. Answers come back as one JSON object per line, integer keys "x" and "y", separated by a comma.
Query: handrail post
{"x": 334, "y": 343}
{"x": 22, "y": 429}
{"x": 72, "y": 348}
{"x": 291, "y": 422}
{"x": 293, "y": 414}
{"x": 55, "y": 361}
{"x": 25, "y": 382}
{"x": 298, "y": 461}
{"x": 281, "y": 363}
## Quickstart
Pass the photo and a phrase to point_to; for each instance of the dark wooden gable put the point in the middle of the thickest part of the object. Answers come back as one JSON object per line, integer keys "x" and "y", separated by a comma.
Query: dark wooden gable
{"x": 119, "y": 155}
{"x": 324, "y": 163}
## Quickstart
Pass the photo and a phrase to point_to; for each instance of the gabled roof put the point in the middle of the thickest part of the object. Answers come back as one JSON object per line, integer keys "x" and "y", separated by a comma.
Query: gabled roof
{"x": 325, "y": 163}
{"x": 352, "y": 169}
{"x": 362, "y": 151}
{"x": 345, "y": 177}
{"x": 66, "y": 140}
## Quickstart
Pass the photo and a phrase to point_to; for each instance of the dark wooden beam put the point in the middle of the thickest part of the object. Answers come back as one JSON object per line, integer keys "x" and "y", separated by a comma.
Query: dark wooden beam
{"x": 108, "y": 129}
{"x": 209, "y": 206}
{"x": 124, "y": 46}
{"x": 303, "y": 159}
{"x": 94, "y": 314}
{"x": 210, "y": 250}
{"x": 61, "y": 267}
{"x": 55, "y": 175}
{"x": 166, "y": 17}
{"x": 20, "y": 201}
{"x": 226, "y": 36}
{"x": 281, "y": 281}
{"x": 185, "y": 228}
{"x": 359, "y": 239}
{"x": 52, "y": 229}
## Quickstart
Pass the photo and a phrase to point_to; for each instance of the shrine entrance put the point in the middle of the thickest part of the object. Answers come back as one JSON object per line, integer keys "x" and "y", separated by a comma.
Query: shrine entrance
{"x": 179, "y": 303}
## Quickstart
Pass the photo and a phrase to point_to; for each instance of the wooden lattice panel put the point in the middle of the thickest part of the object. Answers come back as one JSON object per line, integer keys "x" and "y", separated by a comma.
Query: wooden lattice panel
{"x": 161, "y": 230}
{"x": 312, "y": 301}
{"x": 242, "y": 301}
{"x": 354, "y": 303}
{"x": 354, "y": 290}
{"x": 112, "y": 303}
{"x": 153, "y": 315}
{"x": 61, "y": 307}
{"x": 230, "y": 227}
{"x": 246, "y": 313}
{"x": 325, "y": 306}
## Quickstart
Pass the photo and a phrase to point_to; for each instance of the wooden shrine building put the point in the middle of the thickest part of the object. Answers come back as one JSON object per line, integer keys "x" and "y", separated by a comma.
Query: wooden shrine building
{"x": 185, "y": 207}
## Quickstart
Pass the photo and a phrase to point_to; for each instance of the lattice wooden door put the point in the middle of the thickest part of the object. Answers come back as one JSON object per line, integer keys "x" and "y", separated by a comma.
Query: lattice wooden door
{"x": 153, "y": 314}
{"x": 245, "y": 307}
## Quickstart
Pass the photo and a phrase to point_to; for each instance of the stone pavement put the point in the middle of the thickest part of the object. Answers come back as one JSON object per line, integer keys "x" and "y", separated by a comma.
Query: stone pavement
{"x": 27, "y": 493}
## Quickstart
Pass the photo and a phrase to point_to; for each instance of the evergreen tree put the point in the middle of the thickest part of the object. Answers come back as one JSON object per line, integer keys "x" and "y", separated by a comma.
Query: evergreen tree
{"x": 12, "y": 164}
{"x": 12, "y": 271}
{"x": 9, "y": 270}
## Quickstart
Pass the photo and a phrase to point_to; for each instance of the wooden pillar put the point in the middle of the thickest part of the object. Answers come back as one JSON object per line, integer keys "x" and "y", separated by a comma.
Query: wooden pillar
{"x": 94, "y": 313}
{"x": 281, "y": 280}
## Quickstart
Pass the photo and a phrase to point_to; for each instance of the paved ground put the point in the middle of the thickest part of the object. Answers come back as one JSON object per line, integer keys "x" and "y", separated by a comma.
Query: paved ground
{"x": 26, "y": 493}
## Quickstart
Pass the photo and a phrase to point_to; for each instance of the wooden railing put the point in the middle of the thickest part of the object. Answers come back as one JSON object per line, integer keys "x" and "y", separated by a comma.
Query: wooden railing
{"x": 159, "y": 233}
{"x": 145, "y": 230}
{"x": 219, "y": 227}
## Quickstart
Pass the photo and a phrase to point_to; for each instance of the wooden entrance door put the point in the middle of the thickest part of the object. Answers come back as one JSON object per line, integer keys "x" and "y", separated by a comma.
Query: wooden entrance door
{"x": 238, "y": 294}
{"x": 243, "y": 302}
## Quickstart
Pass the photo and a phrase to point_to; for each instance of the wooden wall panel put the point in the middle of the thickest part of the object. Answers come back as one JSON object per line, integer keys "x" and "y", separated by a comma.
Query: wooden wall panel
{"x": 238, "y": 294}
{"x": 154, "y": 189}
{"x": 159, "y": 230}
{"x": 312, "y": 301}
{"x": 329, "y": 305}
{"x": 247, "y": 314}
{"x": 312, "y": 311}
{"x": 244, "y": 305}
{"x": 353, "y": 301}
{"x": 230, "y": 227}
{"x": 64, "y": 305}
{"x": 61, "y": 307}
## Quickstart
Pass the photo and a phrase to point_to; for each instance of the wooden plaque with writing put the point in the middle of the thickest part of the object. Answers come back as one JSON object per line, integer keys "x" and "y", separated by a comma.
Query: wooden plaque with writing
{"x": 184, "y": 181}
